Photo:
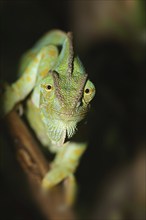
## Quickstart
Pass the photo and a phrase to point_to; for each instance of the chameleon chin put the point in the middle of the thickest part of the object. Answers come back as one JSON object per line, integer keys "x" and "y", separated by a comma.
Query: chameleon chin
{"x": 58, "y": 93}
{"x": 58, "y": 130}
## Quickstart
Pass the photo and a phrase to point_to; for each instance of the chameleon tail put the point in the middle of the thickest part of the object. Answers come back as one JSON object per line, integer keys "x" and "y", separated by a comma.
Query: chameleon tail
{"x": 54, "y": 37}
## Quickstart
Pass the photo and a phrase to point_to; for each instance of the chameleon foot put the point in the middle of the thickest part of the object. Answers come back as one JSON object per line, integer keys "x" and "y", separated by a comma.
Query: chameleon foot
{"x": 70, "y": 187}
{"x": 55, "y": 176}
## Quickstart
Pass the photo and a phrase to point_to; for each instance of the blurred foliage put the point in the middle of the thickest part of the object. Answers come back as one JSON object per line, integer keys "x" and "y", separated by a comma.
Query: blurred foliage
{"x": 101, "y": 19}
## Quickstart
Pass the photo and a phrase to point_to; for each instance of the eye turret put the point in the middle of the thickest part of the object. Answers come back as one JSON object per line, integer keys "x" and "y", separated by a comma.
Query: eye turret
{"x": 89, "y": 91}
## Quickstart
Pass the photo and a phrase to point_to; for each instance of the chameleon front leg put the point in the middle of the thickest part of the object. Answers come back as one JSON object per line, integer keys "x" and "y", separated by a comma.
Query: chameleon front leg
{"x": 23, "y": 86}
{"x": 63, "y": 168}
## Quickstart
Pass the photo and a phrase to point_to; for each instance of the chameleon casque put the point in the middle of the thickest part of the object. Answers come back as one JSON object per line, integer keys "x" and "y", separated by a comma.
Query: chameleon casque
{"x": 58, "y": 93}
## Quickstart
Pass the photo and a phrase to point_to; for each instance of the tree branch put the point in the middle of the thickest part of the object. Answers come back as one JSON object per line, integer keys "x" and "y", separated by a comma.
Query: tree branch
{"x": 35, "y": 166}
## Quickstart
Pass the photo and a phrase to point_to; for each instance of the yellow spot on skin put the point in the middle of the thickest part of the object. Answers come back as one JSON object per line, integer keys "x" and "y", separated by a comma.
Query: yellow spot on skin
{"x": 19, "y": 85}
{"x": 44, "y": 72}
{"x": 61, "y": 175}
{"x": 28, "y": 70}
{"x": 36, "y": 60}
{"x": 28, "y": 78}
{"x": 43, "y": 55}
{"x": 46, "y": 185}
{"x": 52, "y": 53}
{"x": 78, "y": 152}
{"x": 71, "y": 160}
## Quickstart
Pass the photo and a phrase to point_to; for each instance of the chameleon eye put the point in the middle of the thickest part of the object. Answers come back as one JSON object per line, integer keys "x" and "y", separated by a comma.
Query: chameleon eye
{"x": 87, "y": 91}
{"x": 48, "y": 87}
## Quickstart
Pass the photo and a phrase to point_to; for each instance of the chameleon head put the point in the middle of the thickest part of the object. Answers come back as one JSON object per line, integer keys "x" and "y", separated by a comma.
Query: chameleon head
{"x": 65, "y": 96}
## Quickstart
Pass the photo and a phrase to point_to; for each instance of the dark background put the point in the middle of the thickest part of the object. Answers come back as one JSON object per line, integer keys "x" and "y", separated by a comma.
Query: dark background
{"x": 115, "y": 62}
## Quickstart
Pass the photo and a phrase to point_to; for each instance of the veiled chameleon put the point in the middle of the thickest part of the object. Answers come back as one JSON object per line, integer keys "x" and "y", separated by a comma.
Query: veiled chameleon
{"x": 58, "y": 93}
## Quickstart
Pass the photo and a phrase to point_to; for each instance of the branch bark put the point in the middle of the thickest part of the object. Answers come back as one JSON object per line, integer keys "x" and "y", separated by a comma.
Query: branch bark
{"x": 36, "y": 166}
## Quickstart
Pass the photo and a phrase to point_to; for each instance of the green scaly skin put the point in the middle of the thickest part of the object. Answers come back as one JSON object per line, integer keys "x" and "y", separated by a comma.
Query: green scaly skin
{"x": 60, "y": 93}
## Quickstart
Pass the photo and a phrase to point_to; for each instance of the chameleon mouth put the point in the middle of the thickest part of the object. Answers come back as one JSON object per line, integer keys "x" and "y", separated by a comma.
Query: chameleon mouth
{"x": 59, "y": 130}
{"x": 65, "y": 134}
{"x": 61, "y": 125}
{"x": 72, "y": 114}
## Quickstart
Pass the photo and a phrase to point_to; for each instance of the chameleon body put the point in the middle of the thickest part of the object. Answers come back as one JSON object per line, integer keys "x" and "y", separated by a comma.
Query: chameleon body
{"x": 57, "y": 93}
